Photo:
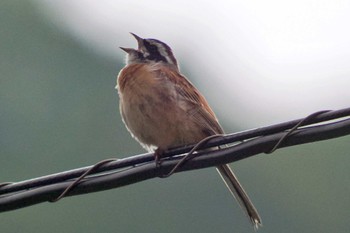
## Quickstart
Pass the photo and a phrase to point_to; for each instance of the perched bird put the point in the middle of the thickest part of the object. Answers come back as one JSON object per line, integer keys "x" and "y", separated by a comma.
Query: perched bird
{"x": 162, "y": 109}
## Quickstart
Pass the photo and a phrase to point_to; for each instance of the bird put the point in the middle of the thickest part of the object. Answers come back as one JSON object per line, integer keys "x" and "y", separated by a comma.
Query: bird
{"x": 162, "y": 109}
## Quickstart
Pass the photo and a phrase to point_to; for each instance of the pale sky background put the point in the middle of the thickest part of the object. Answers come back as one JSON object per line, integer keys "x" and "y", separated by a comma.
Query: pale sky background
{"x": 257, "y": 61}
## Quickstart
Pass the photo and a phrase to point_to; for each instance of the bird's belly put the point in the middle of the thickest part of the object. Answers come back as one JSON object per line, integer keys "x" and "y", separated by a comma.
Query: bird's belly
{"x": 158, "y": 120}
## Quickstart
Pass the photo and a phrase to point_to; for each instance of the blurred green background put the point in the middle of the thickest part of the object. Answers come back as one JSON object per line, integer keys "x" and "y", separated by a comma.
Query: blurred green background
{"x": 59, "y": 111}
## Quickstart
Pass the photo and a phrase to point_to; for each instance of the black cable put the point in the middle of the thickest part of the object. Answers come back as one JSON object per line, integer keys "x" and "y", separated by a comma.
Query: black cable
{"x": 141, "y": 167}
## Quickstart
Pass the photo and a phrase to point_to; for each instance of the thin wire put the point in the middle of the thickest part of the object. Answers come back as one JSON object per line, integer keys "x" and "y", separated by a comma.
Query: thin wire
{"x": 190, "y": 153}
{"x": 77, "y": 181}
{"x": 303, "y": 121}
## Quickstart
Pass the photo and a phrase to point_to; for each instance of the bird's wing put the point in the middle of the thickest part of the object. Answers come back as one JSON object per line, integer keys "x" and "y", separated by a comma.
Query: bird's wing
{"x": 194, "y": 102}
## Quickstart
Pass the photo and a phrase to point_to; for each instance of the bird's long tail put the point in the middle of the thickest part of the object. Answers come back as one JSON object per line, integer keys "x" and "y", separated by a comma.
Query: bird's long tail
{"x": 239, "y": 194}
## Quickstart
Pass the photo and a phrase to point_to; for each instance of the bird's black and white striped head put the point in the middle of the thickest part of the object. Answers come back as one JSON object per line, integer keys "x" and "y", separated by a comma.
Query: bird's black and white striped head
{"x": 152, "y": 50}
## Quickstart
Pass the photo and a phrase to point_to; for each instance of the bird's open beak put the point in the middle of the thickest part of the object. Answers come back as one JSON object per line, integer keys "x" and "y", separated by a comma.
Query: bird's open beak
{"x": 127, "y": 50}
{"x": 139, "y": 40}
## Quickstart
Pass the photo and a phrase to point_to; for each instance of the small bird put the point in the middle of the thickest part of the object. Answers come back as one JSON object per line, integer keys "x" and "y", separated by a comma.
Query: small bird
{"x": 162, "y": 109}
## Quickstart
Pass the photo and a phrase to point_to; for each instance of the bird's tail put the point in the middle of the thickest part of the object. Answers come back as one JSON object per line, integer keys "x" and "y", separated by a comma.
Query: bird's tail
{"x": 239, "y": 194}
